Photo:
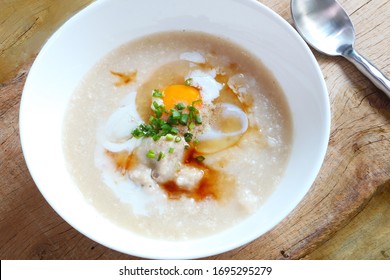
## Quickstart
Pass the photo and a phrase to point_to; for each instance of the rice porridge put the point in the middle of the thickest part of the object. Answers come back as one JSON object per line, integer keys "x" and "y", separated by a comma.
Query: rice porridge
{"x": 177, "y": 135}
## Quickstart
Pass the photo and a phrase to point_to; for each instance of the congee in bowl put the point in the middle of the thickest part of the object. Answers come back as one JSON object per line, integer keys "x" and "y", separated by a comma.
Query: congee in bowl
{"x": 178, "y": 135}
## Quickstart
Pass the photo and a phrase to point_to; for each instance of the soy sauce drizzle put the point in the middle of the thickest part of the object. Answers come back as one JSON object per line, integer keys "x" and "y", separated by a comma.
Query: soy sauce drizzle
{"x": 213, "y": 185}
{"x": 124, "y": 78}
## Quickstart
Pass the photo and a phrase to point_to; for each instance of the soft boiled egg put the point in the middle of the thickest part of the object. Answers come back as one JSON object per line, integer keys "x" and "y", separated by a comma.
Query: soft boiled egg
{"x": 175, "y": 94}
{"x": 117, "y": 130}
{"x": 229, "y": 124}
{"x": 197, "y": 83}
{"x": 206, "y": 83}
{"x": 203, "y": 87}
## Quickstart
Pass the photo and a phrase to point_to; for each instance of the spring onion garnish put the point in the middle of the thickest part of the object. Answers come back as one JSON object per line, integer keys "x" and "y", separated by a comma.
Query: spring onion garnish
{"x": 174, "y": 130}
{"x": 180, "y": 106}
{"x": 171, "y": 150}
{"x": 183, "y": 119}
{"x": 166, "y": 124}
{"x": 188, "y": 82}
{"x": 191, "y": 126}
{"x": 200, "y": 158}
{"x": 169, "y": 137}
{"x": 175, "y": 114}
{"x": 157, "y": 93}
{"x": 150, "y": 154}
{"x": 188, "y": 137}
{"x": 161, "y": 155}
{"x": 198, "y": 119}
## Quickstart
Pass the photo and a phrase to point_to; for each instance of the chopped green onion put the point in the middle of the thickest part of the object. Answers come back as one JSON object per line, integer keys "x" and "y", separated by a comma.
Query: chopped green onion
{"x": 198, "y": 119}
{"x": 188, "y": 82}
{"x": 157, "y": 93}
{"x": 172, "y": 121}
{"x": 191, "y": 108}
{"x": 155, "y": 105}
{"x": 183, "y": 119}
{"x": 175, "y": 114}
{"x": 188, "y": 137}
{"x": 174, "y": 130}
{"x": 196, "y": 141}
{"x": 171, "y": 150}
{"x": 180, "y": 106}
{"x": 191, "y": 126}
{"x": 196, "y": 101}
{"x": 169, "y": 137}
{"x": 186, "y": 147}
{"x": 200, "y": 158}
{"x": 161, "y": 155}
{"x": 150, "y": 154}
{"x": 137, "y": 133}
{"x": 166, "y": 127}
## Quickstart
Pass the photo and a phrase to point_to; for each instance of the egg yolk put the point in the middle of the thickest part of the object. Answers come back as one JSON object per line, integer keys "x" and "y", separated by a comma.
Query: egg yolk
{"x": 175, "y": 94}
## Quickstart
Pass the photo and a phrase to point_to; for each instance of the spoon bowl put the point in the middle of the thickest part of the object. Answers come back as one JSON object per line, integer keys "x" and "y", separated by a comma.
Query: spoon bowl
{"x": 326, "y": 26}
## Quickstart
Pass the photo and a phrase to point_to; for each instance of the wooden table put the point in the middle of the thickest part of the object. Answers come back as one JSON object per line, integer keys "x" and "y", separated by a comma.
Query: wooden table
{"x": 346, "y": 214}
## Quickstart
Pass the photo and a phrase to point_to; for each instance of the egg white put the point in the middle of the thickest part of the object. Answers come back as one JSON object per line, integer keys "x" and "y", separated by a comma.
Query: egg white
{"x": 225, "y": 110}
{"x": 205, "y": 81}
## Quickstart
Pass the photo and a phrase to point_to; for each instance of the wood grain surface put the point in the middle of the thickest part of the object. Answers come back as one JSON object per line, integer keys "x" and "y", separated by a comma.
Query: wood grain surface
{"x": 345, "y": 215}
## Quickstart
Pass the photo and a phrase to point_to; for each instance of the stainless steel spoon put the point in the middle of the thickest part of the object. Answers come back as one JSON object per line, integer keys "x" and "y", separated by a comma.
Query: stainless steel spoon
{"x": 325, "y": 26}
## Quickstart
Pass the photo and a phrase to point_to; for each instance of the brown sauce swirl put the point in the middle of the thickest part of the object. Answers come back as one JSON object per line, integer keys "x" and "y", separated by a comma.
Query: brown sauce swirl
{"x": 214, "y": 184}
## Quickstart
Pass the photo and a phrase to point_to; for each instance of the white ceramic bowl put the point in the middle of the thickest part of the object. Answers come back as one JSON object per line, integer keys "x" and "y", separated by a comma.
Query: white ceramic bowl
{"x": 105, "y": 25}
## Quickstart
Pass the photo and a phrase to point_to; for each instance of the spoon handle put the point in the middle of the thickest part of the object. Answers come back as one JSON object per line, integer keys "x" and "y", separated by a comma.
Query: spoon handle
{"x": 369, "y": 70}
